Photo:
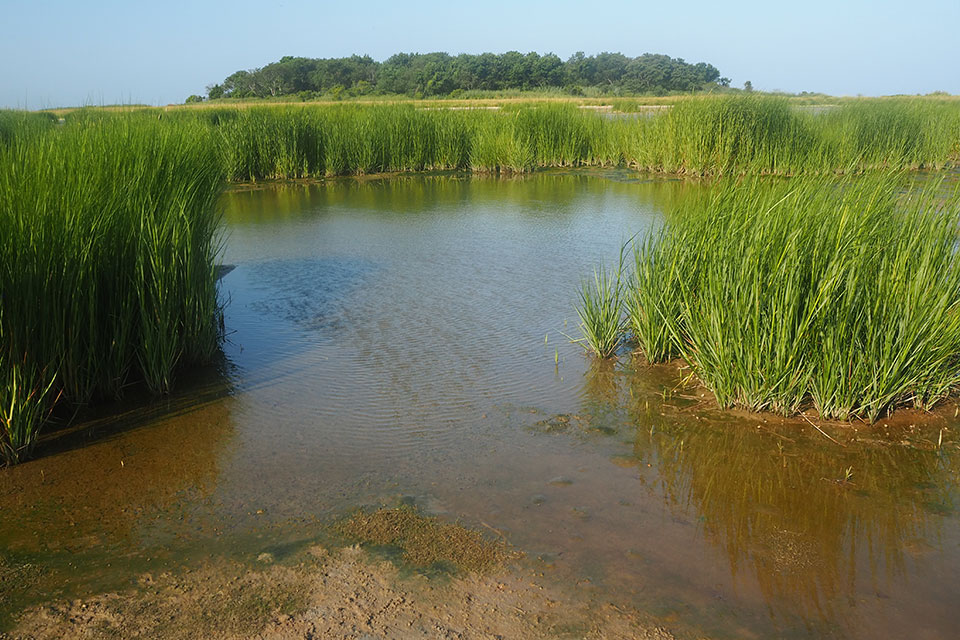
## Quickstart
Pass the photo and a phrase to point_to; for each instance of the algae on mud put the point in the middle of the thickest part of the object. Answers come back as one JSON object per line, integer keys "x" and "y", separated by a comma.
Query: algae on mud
{"x": 423, "y": 540}
{"x": 333, "y": 593}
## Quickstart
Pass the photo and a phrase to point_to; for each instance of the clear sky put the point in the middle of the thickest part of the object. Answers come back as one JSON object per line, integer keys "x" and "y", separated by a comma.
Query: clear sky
{"x": 66, "y": 53}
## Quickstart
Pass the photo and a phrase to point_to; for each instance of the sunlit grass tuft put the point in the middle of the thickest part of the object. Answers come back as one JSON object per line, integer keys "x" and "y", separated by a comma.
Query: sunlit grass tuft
{"x": 843, "y": 295}
{"x": 600, "y": 310}
{"x": 108, "y": 236}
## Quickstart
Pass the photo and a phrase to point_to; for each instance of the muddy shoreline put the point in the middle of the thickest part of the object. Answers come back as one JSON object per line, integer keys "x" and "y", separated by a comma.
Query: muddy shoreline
{"x": 334, "y": 593}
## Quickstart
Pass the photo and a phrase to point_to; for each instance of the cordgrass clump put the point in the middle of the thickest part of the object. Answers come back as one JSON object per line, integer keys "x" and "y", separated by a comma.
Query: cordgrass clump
{"x": 717, "y": 136}
{"x": 600, "y": 310}
{"x": 809, "y": 291}
{"x": 108, "y": 235}
{"x": 901, "y": 133}
{"x": 767, "y": 135}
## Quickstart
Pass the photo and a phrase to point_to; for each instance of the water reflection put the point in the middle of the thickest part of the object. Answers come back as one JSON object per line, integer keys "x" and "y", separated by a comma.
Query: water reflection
{"x": 89, "y": 488}
{"x": 815, "y": 524}
{"x": 557, "y": 192}
{"x": 310, "y": 293}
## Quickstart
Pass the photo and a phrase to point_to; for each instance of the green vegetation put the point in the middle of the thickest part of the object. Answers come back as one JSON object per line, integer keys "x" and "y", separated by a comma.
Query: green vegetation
{"x": 601, "y": 310}
{"x": 748, "y": 134}
{"x": 108, "y": 233}
{"x": 757, "y": 134}
{"x": 843, "y": 295}
{"x": 440, "y": 74}
{"x": 20, "y": 124}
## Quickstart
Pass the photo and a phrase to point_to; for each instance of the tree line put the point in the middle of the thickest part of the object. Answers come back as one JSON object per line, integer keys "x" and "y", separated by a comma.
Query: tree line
{"x": 440, "y": 74}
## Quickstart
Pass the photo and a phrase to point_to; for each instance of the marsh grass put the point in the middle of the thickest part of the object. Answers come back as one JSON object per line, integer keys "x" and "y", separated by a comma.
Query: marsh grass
{"x": 23, "y": 124}
{"x": 843, "y": 295}
{"x": 904, "y": 133}
{"x": 600, "y": 309}
{"x": 27, "y": 397}
{"x": 108, "y": 234}
{"x": 765, "y": 135}
{"x": 714, "y": 135}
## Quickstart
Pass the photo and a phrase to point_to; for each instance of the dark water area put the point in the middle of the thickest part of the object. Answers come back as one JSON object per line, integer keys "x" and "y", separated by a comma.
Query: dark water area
{"x": 403, "y": 339}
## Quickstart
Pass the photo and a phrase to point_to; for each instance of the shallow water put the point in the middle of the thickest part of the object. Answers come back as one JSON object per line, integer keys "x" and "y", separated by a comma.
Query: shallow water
{"x": 404, "y": 339}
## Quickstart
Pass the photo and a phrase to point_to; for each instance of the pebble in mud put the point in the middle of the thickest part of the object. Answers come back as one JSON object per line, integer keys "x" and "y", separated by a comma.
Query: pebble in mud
{"x": 538, "y": 499}
{"x": 561, "y": 481}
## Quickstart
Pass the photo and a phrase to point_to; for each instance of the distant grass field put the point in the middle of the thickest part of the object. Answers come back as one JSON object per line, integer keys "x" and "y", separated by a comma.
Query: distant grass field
{"x": 478, "y": 100}
{"x": 746, "y": 134}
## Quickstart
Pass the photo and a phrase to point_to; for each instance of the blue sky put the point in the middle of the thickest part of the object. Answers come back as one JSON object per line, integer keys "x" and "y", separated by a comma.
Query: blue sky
{"x": 57, "y": 53}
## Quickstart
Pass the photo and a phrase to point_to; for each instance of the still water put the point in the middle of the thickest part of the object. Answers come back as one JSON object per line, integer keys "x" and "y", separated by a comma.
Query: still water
{"x": 406, "y": 339}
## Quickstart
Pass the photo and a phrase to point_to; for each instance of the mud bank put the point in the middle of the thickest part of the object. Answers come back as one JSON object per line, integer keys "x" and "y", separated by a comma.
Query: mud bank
{"x": 340, "y": 593}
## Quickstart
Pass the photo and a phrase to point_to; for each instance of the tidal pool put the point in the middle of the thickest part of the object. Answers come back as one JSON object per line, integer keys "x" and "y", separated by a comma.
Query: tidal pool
{"x": 406, "y": 339}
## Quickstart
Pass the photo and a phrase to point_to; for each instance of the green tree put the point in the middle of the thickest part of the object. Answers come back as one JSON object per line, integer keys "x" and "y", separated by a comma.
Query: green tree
{"x": 439, "y": 74}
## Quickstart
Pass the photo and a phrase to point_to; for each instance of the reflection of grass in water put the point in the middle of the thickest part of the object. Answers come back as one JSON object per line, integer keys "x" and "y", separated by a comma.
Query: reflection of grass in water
{"x": 96, "y": 482}
{"x": 796, "y": 512}
{"x": 808, "y": 519}
{"x": 602, "y": 383}
{"x": 561, "y": 192}
{"x": 424, "y": 541}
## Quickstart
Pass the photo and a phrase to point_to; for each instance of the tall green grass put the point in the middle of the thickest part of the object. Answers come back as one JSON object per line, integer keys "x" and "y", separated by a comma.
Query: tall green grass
{"x": 23, "y": 124}
{"x": 840, "y": 295}
{"x": 108, "y": 235}
{"x": 905, "y": 133}
{"x": 600, "y": 309}
{"x": 716, "y": 135}
{"x": 765, "y": 135}
{"x": 729, "y": 135}
{"x": 711, "y": 136}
